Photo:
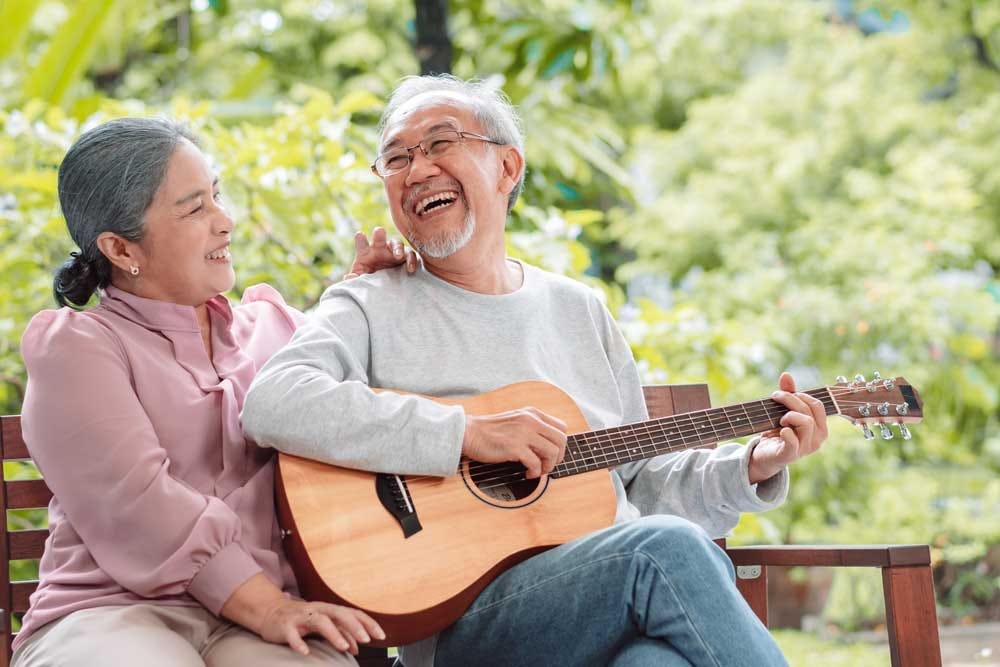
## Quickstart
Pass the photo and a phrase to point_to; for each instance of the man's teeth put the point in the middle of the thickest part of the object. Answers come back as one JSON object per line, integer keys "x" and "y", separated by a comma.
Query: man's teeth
{"x": 426, "y": 202}
{"x": 222, "y": 253}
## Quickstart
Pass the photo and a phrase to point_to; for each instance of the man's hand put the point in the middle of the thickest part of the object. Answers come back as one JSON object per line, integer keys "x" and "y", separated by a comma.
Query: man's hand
{"x": 535, "y": 439}
{"x": 381, "y": 253}
{"x": 803, "y": 430}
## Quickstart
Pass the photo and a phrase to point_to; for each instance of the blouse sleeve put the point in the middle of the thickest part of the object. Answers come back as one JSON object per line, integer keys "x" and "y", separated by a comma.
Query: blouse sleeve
{"x": 98, "y": 452}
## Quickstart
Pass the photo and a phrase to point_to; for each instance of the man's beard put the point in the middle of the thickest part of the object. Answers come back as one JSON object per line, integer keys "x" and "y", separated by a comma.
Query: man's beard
{"x": 447, "y": 243}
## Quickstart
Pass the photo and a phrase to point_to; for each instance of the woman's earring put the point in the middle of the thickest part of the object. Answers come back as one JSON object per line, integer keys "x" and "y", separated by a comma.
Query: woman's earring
{"x": 134, "y": 270}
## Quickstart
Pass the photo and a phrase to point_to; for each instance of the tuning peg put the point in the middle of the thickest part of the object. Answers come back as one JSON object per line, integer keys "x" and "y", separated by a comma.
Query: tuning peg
{"x": 865, "y": 409}
{"x": 876, "y": 376}
{"x": 868, "y": 432}
{"x": 886, "y": 431}
{"x": 903, "y": 431}
{"x": 902, "y": 409}
{"x": 883, "y": 408}
{"x": 870, "y": 386}
{"x": 859, "y": 378}
{"x": 841, "y": 380}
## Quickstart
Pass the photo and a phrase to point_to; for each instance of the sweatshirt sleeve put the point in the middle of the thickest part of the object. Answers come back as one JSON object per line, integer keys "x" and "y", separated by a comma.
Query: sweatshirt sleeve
{"x": 100, "y": 455}
{"x": 312, "y": 399}
{"x": 710, "y": 487}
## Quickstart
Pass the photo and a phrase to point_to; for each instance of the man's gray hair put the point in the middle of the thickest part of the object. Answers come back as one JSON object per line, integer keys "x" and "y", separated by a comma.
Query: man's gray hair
{"x": 490, "y": 106}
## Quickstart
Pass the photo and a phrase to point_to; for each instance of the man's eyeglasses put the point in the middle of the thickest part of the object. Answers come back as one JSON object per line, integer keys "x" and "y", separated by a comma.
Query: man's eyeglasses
{"x": 434, "y": 147}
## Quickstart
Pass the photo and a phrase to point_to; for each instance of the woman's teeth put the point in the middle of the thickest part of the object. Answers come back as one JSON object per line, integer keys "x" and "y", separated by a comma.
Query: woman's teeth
{"x": 222, "y": 253}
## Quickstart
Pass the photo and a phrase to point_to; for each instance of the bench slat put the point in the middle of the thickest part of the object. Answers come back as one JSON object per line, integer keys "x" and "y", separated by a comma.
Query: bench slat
{"x": 20, "y": 594}
{"x": 843, "y": 556}
{"x": 13, "y": 443}
{"x": 27, "y": 494}
{"x": 26, "y": 543}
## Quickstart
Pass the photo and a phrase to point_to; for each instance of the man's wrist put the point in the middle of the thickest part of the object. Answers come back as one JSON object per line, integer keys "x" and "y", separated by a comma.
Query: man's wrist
{"x": 757, "y": 471}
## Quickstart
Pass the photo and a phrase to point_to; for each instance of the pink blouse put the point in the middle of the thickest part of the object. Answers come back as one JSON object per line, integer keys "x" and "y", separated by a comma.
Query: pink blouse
{"x": 159, "y": 497}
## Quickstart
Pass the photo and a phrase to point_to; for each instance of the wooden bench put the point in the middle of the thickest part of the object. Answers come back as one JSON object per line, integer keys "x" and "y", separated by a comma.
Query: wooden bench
{"x": 911, "y": 618}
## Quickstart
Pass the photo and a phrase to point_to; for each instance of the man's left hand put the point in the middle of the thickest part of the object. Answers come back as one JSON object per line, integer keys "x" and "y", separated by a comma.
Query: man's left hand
{"x": 381, "y": 253}
{"x": 803, "y": 430}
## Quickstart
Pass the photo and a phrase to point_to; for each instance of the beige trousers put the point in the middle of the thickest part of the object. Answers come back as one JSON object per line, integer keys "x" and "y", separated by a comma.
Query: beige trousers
{"x": 150, "y": 635}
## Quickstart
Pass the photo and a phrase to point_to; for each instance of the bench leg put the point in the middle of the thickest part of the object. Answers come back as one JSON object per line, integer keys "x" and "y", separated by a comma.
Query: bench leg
{"x": 751, "y": 580}
{"x": 911, "y": 616}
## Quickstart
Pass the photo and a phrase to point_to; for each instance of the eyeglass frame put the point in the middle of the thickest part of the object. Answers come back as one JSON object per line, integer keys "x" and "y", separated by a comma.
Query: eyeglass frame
{"x": 462, "y": 134}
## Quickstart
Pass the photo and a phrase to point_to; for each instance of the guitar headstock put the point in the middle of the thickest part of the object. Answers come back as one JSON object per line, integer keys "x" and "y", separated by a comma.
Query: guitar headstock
{"x": 878, "y": 402}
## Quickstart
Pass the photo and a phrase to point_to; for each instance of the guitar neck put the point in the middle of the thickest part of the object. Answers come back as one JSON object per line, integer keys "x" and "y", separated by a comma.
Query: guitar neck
{"x": 610, "y": 447}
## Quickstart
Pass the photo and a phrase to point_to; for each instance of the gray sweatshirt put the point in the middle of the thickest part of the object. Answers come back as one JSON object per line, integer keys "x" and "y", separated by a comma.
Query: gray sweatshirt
{"x": 423, "y": 335}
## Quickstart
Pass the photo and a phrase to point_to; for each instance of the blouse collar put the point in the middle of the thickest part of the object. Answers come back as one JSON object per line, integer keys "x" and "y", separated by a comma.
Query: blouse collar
{"x": 161, "y": 315}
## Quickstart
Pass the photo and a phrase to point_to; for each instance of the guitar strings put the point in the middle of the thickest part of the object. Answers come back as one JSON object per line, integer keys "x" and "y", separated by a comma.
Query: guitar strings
{"x": 619, "y": 438}
{"x": 612, "y": 442}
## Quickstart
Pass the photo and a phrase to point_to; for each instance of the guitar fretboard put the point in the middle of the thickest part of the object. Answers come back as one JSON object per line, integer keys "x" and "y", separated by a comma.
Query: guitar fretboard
{"x": 610, "y": 447}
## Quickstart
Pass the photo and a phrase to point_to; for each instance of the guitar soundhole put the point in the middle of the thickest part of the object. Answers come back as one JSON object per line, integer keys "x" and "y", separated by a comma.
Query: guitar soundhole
{"x": 502, "y": 482}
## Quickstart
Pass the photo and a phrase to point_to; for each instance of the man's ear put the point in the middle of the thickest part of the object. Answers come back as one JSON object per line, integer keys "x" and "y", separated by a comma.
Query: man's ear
{"x": 512, "y": 165}
{"x": 120, "y": 252}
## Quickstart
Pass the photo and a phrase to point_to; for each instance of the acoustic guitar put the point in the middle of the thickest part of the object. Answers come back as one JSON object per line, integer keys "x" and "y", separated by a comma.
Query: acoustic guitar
{"x": 415, "y": 551}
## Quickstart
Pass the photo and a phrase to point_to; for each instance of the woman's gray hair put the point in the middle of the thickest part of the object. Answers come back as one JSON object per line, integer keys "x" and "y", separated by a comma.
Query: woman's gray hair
{"x": 490, "y": 106}
{"x": 106, "y": 182}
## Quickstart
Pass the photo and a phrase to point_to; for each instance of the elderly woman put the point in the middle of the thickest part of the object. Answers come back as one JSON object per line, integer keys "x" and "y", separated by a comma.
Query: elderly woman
{"x": 164, "y": 548}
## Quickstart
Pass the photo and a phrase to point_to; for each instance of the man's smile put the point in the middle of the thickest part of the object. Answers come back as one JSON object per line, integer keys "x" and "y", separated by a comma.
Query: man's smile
{"x": 435, "y": 202}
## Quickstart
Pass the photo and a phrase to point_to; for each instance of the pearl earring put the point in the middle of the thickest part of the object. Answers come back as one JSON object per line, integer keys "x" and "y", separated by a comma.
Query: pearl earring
{"x": 134, "y": 270}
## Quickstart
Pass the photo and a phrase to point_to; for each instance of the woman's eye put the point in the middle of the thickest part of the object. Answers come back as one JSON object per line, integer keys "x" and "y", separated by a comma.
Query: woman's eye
{"x": 217, "y": 196}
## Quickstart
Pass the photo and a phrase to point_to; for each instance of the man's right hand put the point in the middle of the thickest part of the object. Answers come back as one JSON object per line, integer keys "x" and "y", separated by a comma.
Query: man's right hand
{"x": 534, "y": 439}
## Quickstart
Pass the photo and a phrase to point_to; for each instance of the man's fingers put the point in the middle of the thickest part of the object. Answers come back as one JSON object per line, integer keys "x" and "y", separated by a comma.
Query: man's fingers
{"x": 786, "y": 382}
{"x": 818, "y": 411}
{"x": 531, "y": 462}
{"x": 360, "y": 243}
{"x": 548, "y": 453}
{"x": 791, "y": 443}
{"x": 379, "y": 237}
{"x": 551, "y": 420}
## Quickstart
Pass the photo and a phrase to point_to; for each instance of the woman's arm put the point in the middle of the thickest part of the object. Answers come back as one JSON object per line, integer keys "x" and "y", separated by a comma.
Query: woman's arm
{"x": 97, "y": 449}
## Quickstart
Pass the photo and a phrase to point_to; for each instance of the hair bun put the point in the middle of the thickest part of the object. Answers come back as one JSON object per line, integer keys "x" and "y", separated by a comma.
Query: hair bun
{"x": 75, "y": 282}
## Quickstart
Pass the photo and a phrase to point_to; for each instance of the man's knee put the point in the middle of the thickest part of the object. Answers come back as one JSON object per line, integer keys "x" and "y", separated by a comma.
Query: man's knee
{"x": 672, "y": 538}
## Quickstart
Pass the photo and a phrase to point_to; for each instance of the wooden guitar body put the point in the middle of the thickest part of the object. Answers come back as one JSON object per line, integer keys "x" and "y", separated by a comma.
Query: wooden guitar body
{"x": 345, "y": 546}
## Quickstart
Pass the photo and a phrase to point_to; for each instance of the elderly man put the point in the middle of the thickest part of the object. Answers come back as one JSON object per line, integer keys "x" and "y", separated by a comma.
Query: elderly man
{"x": 651, "y": 589}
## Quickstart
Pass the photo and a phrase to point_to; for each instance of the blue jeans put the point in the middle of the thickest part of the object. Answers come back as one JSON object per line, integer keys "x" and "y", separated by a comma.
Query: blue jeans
{"x": 654, "y": 591}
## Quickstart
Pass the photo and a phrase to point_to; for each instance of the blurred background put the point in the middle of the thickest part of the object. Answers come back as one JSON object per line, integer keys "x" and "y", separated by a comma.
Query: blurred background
{"x": 753, "y": 185}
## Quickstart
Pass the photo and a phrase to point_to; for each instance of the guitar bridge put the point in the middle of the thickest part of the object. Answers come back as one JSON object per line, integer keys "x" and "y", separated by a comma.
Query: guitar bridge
{"x": 396, "y": 499}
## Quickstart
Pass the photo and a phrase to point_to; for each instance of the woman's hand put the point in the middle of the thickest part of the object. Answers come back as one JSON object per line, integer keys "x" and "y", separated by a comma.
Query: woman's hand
{"x": 259, "y": 605}
{"x": 288, "y": 621}
{"x": 381, "y": 253}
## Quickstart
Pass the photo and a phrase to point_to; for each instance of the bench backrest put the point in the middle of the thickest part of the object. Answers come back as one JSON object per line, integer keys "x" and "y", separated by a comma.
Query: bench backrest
{"x": 22, "y": 494}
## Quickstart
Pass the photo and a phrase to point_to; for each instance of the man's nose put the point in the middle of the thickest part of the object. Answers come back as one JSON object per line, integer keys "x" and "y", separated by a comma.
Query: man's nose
{"x": 421, "y": 167}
